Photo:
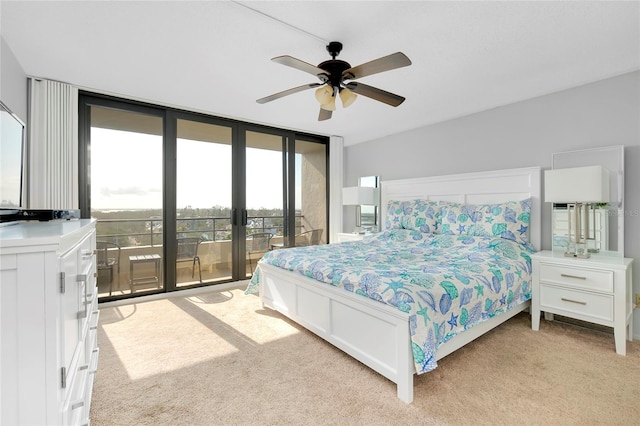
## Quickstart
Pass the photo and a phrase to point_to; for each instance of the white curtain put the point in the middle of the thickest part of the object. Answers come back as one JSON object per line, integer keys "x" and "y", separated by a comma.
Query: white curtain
{"x": 336, "y": 172}
{"x": 52, "y": 145}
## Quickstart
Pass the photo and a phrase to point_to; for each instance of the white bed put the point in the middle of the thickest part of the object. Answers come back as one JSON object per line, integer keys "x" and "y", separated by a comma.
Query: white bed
{"x": 376, "y": 334}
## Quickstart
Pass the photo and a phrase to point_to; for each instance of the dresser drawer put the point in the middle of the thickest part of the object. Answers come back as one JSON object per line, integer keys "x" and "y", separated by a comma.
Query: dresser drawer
{"x": 593, "y": 305}
{"x": 587, "y": 279}
{"x": 86, "y": 256}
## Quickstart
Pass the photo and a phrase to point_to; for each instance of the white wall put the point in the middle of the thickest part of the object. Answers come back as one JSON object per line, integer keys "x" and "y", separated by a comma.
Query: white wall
{"x": 523, "y": 134}
{"x": 13, "y": 82}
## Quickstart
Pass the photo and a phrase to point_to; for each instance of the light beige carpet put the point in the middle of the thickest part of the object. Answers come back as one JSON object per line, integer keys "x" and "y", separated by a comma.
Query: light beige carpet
{"x": 220, "y": 358}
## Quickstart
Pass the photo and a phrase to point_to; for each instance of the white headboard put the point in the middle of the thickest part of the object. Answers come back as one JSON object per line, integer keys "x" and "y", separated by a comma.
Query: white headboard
{"x": 495, "y": 186}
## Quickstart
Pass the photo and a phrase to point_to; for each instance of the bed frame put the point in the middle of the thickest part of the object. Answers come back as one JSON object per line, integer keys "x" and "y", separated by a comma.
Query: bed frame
{"x": 377, "y": 334}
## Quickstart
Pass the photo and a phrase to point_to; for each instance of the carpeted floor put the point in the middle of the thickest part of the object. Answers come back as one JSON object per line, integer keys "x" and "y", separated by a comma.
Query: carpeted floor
{"x": 220, "y": 358}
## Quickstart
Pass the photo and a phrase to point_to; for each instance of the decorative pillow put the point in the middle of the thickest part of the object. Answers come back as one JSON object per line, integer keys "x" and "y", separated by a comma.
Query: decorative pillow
{"x": 395, "y": 213}
{"x": 423, "y": 216}
{"x": 450, "y": 215}
{"x": 508, "y": 220}
{"x": 415, "y": 215}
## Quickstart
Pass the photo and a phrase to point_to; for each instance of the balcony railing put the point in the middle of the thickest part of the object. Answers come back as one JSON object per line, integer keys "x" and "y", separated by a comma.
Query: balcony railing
{"x": 149, "y": 231}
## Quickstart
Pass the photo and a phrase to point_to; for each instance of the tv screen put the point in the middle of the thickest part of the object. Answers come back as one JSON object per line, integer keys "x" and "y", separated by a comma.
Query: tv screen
{"x": 12, "y": 133}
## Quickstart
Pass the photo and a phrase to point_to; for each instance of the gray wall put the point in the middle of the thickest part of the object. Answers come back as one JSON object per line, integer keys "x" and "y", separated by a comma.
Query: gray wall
{"x": 13, "y": 82}
{"x": 523, "y": 134}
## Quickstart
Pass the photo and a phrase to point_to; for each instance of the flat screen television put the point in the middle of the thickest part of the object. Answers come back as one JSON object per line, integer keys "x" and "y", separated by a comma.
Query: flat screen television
{"x": 12, "y": 137}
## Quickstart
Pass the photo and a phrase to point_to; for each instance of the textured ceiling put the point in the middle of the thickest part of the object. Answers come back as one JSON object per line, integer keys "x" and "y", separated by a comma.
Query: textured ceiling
{"x": 214, "y": 56}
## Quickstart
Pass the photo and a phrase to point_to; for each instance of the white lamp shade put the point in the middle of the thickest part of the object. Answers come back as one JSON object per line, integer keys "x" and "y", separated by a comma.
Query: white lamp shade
{"x": 577, "y": 185}
{"x": 359, "y": 196}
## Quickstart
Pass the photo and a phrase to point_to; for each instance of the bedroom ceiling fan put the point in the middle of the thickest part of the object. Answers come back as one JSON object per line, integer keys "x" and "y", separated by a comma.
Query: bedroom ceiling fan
{"x": 336, "y": 79}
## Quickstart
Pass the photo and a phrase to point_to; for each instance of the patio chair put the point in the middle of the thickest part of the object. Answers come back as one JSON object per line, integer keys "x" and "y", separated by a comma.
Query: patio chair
{"x": 260, "y": 243}
{"x": 104, "y": 262}
{"x": 309, "y": 238}
{"x": 188, "y": 252}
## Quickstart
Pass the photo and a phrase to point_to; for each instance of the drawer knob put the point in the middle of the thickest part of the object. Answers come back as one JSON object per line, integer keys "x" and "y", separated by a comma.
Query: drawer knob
{"x": 573, "y": 301}
{"x": 573, "y": 276}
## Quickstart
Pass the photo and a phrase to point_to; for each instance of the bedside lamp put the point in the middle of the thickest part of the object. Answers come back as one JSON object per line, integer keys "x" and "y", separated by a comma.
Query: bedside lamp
{"x": 578, "y": 187}
{"x": 359, "y": 196}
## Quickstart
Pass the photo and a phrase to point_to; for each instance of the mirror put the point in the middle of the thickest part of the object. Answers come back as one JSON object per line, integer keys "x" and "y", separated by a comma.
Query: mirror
{"x": 606, "y": 220}
{"x": 369, "y": 215}
{"x": 11, "y": 159}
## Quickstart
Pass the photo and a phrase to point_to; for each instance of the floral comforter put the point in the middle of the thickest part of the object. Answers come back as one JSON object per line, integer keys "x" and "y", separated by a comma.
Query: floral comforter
{"x": 447, "y": 283}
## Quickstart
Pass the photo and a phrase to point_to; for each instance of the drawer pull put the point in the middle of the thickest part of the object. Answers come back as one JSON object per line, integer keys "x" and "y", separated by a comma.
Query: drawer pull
{"x": 573, "y": 301}
{"x": 573, "y": 276}
{"x": 86, "y": 254}
{"x": 77, "y": 404}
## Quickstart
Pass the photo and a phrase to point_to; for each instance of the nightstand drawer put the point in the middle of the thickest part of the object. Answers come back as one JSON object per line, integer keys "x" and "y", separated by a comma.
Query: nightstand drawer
{"x": 587, "y": 279}
{"x": 587, "y": 304}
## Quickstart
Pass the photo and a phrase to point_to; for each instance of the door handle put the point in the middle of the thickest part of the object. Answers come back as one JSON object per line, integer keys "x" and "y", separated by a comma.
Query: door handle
{"x": 234, "y": 217}
{"x": 244, "y": 217}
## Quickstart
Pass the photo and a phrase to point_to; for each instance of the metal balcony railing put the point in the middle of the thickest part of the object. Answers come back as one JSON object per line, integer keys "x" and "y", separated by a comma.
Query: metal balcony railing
{"x": 149, "y": 231}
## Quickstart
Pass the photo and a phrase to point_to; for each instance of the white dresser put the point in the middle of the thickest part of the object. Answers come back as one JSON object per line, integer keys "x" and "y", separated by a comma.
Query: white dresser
{"x": 596, "y": 290}
{"x": 48, "y": 318}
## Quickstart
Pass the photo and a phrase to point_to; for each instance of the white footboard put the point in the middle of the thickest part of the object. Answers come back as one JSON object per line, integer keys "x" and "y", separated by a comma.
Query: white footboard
{"x": 375, "y": 334}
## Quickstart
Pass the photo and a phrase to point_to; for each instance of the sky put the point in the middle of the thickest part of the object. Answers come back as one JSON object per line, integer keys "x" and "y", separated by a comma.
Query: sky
{"x": 126, "y": 173}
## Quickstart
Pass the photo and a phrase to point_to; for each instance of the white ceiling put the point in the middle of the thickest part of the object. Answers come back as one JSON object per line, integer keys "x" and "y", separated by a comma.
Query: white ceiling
{"x": 214, "y": 56}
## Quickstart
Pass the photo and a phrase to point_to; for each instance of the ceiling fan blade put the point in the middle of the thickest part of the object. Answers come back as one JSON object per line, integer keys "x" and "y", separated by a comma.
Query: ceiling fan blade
{"x": 374, "y": 93}
{"x": 292, "y": 62}
{"x": 324, "y": 115}
{"x": 386, "y": 63}
{"x": 287, "y": 92}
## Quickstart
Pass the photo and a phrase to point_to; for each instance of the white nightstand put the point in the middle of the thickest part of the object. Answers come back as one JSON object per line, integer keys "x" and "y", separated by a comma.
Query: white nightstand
{"x": 348, "y": 236}
{"x": 596, "y": 290}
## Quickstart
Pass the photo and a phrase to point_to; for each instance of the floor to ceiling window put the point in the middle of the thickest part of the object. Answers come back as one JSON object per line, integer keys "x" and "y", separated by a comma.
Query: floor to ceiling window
{"x": 184, "y": 199}
{"x": 204, "y": 236}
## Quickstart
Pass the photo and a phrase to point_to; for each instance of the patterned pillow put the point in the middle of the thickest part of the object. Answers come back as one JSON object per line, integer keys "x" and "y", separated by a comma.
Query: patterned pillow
{"x": 415, "y": 215}
{"x": 450, "y": 215}
{"x": 395, "y": 213}
{"x": 508, "y": 220}
{"x": 424, "y": 216}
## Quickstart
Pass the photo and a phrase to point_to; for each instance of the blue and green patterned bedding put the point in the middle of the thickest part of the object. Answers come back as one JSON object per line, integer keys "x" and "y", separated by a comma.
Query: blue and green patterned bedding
{"x": 446, "y": 283}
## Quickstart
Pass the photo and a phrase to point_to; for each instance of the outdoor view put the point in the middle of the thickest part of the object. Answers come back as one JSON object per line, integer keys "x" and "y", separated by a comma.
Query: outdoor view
{"x": 126, "y": 173}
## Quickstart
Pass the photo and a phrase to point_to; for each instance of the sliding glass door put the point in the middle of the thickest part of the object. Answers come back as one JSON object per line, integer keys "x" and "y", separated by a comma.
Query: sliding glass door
{"x": 204, "y": 237}
{"x": 265, "y": 194}
{"x": 126, "y": 198}
{"x": 184, "y": 199}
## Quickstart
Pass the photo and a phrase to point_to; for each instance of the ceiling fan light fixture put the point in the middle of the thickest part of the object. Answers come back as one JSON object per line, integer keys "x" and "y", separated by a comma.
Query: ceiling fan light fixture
{"x": 329, "y": 106}
{"x": 336, "y": 79}
{"x": 347, "y": 97}
{"x": 324, "y": 94}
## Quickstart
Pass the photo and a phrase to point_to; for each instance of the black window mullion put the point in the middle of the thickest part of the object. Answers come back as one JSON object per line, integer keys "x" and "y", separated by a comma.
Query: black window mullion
{"x": 238, "y": 200}
{"x": 169, "y": 202}
{"x": 291, "y": 189}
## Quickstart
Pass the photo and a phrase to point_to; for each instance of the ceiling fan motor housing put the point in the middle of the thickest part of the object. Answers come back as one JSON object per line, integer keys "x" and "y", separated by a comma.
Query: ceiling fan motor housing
{"x": 334, "y": 69}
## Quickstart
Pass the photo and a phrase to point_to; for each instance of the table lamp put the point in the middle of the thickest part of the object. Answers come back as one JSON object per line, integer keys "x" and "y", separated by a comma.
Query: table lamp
{"x": 578, "y": 187}
{"x": 359, "y": 196}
